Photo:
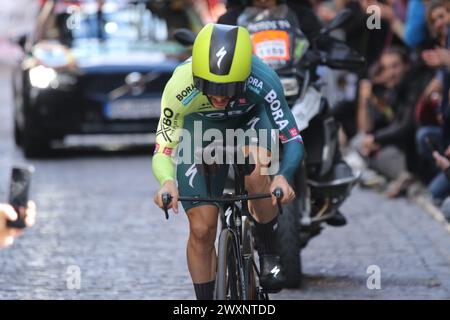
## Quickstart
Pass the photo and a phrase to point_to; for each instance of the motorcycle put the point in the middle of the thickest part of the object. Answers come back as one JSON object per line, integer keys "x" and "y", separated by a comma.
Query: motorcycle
{"x": 324, "y": 180}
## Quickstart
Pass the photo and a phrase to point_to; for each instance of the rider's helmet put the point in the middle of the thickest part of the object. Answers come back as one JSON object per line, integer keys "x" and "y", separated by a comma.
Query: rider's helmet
{"x": 221, "y": 60}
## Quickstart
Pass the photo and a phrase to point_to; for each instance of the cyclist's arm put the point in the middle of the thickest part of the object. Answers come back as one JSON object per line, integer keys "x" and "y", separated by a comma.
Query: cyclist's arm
{"x": 167, "y": 136}
{"x": 293, "y": 149}
{"x": 281, "y": 117}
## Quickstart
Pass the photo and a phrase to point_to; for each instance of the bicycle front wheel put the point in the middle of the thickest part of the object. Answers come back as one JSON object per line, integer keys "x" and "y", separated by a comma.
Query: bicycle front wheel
{"x": 228, "y": 279}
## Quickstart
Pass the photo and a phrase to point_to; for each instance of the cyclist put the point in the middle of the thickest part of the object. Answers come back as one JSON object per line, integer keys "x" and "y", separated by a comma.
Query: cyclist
{"x": 308, "y": 23}
{"x": 223, "y": 86}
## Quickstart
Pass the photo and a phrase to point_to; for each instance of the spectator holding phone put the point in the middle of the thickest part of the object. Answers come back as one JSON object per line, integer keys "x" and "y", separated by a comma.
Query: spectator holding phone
{"x": 19, "y": 212}
{"x": 7, "y": 213}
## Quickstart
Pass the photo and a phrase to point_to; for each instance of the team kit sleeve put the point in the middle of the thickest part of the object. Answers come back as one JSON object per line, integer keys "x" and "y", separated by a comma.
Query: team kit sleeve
{"x": 167, "y": 134}
{"x": 280, "y": 115}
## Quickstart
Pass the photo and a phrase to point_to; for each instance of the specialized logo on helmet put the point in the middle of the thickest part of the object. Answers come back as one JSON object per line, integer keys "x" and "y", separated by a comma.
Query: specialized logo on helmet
{"x": 220, "y": 54}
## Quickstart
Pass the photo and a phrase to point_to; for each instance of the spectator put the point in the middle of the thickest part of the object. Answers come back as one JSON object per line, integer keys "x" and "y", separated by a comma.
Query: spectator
{"x": 407, "y": 21}
{"x": 438, "y": 19}
{"x": 437, "y": 16}
{"x": 386, "y": 118}
{"x": 440, "y": 186}
{"x": 415, "y": 31}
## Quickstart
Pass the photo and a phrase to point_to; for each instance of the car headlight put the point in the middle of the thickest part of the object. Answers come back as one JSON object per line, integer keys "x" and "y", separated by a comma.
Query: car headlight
{"x": 42, "y": 77}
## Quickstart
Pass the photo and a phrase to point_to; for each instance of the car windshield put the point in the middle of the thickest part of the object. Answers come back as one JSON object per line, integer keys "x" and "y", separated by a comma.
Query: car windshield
{"x": 113, "y": 21}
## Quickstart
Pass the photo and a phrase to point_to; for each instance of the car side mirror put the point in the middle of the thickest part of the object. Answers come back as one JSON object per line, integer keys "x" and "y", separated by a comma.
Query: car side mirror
{"x": 184, "y": 36}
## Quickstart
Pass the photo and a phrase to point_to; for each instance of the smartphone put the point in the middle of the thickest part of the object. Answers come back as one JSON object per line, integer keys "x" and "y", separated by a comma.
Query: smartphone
{"x": 432, "y": 144}
{"x": 18, "y": 193}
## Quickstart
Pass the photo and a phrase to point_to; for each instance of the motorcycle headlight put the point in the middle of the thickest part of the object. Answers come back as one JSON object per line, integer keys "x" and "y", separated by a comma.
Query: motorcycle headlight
{"x": 42, "y": 77}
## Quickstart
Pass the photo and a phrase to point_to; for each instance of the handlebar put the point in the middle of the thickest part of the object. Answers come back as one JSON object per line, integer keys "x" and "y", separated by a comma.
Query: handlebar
{"x": 278, "y": 193}
{"x": 166, "y": 199}
{"x": 337, "y": 55}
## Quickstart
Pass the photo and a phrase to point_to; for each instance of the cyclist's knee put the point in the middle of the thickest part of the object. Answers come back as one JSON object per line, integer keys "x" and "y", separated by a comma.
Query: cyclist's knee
{"x": 203, "y": 234}
{"x": 203, "y": 224}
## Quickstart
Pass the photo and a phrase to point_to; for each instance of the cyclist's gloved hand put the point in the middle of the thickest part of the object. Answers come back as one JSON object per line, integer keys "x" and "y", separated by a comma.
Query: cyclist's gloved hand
{"x": 168, "y": 187}
{"x": 288, "y": 193}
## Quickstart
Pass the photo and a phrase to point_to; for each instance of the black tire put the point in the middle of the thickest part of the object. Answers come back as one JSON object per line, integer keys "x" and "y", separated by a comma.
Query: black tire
{"x": 289, "y": 247}
{"x": 248, "y": 252}
{"x": 227, "y": 278}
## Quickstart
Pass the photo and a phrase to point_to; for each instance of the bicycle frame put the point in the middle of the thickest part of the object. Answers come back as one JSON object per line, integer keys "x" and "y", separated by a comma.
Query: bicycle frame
{"x": 233, "y": 221}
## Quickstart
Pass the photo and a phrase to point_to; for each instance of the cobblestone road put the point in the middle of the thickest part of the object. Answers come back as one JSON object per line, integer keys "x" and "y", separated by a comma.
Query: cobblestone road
{"x": 96, "y": 213}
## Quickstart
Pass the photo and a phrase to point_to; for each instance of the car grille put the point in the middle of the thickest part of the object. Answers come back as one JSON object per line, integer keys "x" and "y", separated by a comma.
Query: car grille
{"x": 103, "y": 84}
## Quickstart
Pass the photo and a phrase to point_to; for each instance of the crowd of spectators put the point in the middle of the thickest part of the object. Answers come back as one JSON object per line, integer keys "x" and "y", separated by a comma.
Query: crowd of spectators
{"x": 398, "y": 122}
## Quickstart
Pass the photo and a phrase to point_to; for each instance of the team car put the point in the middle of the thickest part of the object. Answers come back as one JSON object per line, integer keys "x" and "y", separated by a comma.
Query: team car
{"x": 95, "y": 67}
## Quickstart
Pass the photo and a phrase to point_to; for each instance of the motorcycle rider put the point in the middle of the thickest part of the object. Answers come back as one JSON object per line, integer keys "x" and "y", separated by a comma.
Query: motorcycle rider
{"x": 309, "y": 24}
{"x": 308, "y": 21}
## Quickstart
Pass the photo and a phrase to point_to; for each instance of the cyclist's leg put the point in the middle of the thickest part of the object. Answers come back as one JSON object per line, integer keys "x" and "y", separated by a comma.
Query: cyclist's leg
{"x": 201, "y": 255}
{"x": 264, "y": 213}
{"x": 259, "y": 180}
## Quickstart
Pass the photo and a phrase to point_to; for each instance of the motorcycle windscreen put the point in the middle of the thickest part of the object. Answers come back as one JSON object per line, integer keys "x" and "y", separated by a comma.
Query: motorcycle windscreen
{"x": 275, "y": 34}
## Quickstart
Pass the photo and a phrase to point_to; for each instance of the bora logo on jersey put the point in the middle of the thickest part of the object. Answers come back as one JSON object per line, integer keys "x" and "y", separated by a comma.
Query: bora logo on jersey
{"x": 186, "y": 95}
